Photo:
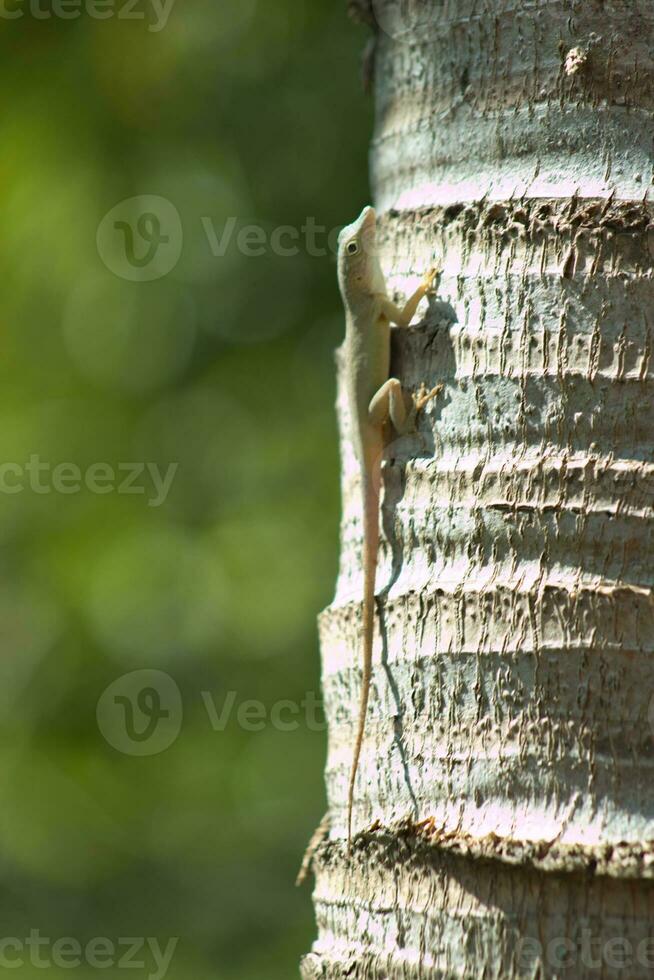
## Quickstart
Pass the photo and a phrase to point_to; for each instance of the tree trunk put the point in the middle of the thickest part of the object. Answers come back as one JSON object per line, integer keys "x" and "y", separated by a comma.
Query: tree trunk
{"x": 505, "y": 802}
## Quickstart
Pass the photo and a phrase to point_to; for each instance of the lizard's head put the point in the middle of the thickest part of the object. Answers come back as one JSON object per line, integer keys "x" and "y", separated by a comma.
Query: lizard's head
{"x": 359, "y": 272}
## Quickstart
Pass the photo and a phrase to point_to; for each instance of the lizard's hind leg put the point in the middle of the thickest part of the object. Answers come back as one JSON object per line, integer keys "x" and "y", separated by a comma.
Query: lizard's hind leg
{"x": 389, "y": 403}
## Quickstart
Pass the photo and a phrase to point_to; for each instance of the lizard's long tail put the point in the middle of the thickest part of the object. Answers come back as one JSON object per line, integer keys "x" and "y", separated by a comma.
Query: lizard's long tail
{"x": 370, "y": 486}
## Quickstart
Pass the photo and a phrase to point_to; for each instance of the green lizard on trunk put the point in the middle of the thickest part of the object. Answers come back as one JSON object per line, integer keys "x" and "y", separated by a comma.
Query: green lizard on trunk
{"x": 375, "y": 400}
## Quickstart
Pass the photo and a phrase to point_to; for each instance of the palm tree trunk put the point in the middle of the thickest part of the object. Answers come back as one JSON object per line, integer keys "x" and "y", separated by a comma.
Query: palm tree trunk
{"x": 505, "y": 805}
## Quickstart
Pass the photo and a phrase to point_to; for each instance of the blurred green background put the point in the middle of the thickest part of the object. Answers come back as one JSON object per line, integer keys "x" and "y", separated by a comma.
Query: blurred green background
{"x": 248, "y": 111}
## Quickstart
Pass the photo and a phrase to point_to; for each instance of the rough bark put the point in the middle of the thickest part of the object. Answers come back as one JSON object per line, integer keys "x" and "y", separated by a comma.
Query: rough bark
{"x": 505, "y": 806}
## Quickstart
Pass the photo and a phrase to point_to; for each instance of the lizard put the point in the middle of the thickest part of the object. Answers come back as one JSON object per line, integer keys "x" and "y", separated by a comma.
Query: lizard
{"x": 374, "y": 400}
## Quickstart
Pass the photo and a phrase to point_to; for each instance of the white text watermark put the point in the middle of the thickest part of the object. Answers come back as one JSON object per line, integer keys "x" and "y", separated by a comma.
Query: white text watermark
{"x": 141, "y": 713}
{"x": 98, "y": 953}
{"x": 42, "y": 477}
{"x": 155, "y": 12}
{"x": 141, "y": 238}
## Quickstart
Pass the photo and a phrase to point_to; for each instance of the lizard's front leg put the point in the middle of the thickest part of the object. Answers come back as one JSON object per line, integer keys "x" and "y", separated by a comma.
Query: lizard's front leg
{"x": 403, "y": 317}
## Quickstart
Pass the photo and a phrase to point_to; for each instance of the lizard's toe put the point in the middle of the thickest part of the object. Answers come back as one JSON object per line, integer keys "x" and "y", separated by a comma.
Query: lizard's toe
{"x": 430, "y": 281}
{"x": 424, "y": 396}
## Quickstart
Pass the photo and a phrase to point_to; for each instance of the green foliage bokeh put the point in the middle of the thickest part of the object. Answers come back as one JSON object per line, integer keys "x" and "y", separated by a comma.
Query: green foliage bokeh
{"x": 250, "y": 111}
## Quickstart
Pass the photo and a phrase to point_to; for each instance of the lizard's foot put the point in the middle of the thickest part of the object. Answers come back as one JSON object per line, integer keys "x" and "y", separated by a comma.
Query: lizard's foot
{"x": 431, "y": 279}
{"x": 423, "y": 396}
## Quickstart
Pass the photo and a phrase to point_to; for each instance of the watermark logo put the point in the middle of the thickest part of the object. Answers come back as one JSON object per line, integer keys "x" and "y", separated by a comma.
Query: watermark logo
{"x": 141, "y": 238}
{"x": 42, "y": 477}
{"x": 601, "y": 955}
{"x": 154, "y": 12}
{"x": 99, "y": 953}
{"x": 141, "y": 713}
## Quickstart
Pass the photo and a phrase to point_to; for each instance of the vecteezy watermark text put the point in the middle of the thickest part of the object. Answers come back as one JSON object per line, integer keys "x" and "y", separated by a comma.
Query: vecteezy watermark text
{"x": 141, "y": 713}
{"x": 42, "y": 477}
{"x": 141, "y": 238}
{"x": 286, "y": 241}
{"x": 156, "y": 12}
{"x": 593, "y": 952}
{"x": 99, "y": 953}
{"x": 253, "y": 716}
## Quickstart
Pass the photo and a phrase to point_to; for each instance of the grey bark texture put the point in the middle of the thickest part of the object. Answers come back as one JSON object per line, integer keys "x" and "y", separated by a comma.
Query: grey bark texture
{"x": 505, "y": 803}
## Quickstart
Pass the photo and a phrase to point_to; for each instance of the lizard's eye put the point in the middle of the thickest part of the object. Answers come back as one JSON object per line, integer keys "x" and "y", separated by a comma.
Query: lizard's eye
{"x": 352, "y": 248}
